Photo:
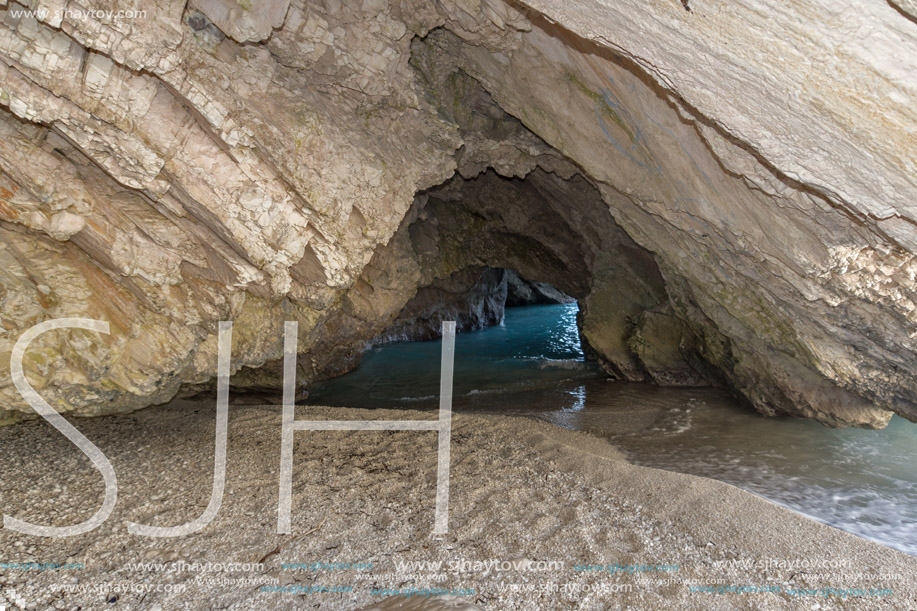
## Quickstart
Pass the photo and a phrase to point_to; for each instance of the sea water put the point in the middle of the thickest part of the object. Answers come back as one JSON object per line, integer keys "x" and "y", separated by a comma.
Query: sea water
{"x": 861, "y": 481}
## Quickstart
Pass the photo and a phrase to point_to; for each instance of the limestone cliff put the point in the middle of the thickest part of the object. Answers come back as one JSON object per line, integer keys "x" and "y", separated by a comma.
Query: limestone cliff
{"x": 728, "y": 189}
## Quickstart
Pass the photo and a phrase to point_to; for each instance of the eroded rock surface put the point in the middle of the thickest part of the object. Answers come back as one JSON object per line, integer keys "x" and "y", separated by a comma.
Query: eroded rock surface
{"x": 729, "y": 191}
{"x": 474, "y": 298}
{"x": 520, "y": 292}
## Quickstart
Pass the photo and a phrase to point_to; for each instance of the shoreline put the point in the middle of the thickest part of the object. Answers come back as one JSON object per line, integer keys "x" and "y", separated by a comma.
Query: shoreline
{"x": 531, "y": 506}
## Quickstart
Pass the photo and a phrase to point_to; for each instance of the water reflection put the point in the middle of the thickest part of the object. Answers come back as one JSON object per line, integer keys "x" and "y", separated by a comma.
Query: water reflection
{"x": 858, "y": 480}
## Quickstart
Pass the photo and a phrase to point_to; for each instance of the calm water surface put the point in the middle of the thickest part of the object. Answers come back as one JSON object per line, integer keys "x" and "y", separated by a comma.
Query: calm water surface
{"x": 864, "y": 482}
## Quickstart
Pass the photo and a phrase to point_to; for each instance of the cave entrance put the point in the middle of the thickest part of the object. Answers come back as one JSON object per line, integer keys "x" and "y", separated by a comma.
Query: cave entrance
{"x": 527, "y": 355}
{"x": 550, "y": 236}
{"x": 554, "y": 230}
{"x": 592, "y": 304}
{"x": 475, "y": 298}
{"x": 513, "y": 203}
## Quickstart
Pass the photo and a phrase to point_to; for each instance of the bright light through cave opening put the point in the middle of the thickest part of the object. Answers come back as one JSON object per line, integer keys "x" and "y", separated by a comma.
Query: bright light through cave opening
{"x": 517, "y": 339}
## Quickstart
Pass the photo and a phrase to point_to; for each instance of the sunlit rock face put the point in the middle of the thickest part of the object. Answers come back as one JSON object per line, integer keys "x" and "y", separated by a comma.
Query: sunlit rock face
{"x": 728, "y": 190}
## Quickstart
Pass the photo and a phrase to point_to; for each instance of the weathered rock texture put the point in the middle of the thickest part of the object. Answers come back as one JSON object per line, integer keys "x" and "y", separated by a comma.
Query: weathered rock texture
{"x": 520, "y": 292}
{"x": 473, "y": 298}
{"x": 728, "y": 190}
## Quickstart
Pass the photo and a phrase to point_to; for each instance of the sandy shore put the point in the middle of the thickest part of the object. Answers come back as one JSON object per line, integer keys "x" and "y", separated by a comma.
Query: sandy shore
{"x": 531, "y": 504}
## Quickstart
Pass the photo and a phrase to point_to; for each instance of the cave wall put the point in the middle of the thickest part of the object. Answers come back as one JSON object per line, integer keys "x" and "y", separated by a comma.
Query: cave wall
{"x": 474, "y": 298}
{"x": 780, "y": 281}
{"x": 522, "y": 292}
{"x": 208, "y": 162}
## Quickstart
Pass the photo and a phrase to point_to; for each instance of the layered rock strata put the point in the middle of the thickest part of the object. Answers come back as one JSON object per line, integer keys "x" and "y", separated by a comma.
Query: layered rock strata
{"x": 727, "y": 190}
{"x": 521, "y": 292}
{"x": 473, "y": 298}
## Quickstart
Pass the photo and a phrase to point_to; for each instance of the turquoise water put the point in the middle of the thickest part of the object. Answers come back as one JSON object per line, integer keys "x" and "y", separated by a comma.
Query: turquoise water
{"x": 537, "y": 348}
{"x": 864, "y": 482}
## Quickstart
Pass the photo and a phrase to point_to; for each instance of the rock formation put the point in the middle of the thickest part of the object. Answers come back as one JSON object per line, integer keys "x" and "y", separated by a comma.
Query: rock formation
{"x": 521, "y": 292}
{"x": 728, "y": 190}
{"x": 473, "y": 298}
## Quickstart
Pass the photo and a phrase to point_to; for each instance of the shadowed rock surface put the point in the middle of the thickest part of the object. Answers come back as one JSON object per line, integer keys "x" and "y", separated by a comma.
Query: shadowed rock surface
{"x": 520, "y": 292}
{"x": 473, "y": 298}
{"x": 728, "y": 191}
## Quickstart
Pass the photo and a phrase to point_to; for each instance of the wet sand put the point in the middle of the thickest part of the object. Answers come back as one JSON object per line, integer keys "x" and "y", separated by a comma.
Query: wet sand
{"x": 530, "y": 505}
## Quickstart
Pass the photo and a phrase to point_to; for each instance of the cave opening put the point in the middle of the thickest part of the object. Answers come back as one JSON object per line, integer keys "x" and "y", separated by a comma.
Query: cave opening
{"x": 582, "y": 302}
{"x": 514, "y": 203}
{"x": 472, "y": 245}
